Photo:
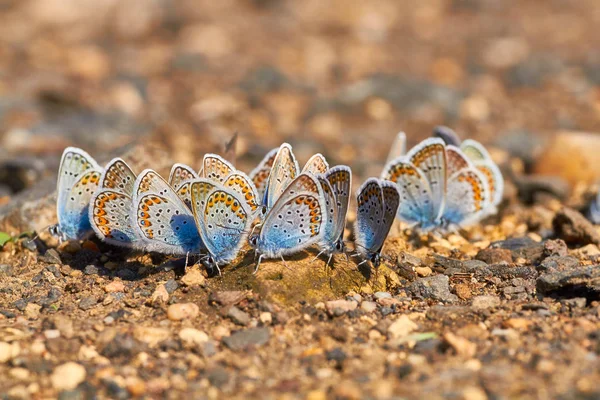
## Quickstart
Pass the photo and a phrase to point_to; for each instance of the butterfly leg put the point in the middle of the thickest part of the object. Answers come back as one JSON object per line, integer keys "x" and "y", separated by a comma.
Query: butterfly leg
{"x": 317, "y": 256}
{"x": 258, "y": 263}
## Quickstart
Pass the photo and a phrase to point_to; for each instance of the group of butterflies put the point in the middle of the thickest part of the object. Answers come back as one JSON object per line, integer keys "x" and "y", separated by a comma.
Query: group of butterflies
{"x": 278, "y": 208}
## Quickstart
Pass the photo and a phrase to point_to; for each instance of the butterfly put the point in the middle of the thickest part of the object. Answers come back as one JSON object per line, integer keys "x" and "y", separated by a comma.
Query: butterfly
{"x": 260, "y": 174}
{"x": 336, "y": 184}
{"x": 316, "y": 165}
{"x": 162, "y": 218}
{"x": 481, "y": 159}
{"x": 377, "y": 204}
{"x": 111, "y": 207}
{"x": 593, "y": 211}
{"x": 284, "y": 170}
{"x": 78, "y": 178}
{"x": 294, "y": 222}
{"x": 438, "y": 186}
{"x": 223, "y": 219}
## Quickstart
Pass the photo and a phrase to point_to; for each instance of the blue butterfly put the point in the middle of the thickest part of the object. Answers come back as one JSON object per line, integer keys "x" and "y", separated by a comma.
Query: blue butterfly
{"x": 284, "y": 170}
{"x": 439, "y": 186}
{"x": 336, "y": 184}
{"x": 377, "y": 203}
{"x": 223, "y": 219}
{"x": 162, "y": 218}
{"x": 294, "y": 222}
{"x": 111, "y": 207}
{"x": 78, "y": 178}
{"x": 260, "y": 174}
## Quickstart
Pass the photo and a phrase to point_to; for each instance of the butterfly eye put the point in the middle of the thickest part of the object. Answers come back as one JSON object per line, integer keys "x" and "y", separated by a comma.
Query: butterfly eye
{"x": 339, "y": 246}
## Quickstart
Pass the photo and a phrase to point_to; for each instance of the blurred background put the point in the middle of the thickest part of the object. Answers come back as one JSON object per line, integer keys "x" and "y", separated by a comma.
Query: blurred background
{"x": 341, "y": 77}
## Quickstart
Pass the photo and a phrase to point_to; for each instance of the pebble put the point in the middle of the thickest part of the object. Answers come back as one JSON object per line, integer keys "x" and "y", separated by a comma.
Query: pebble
{"x": 580, "y": 282}
{"x": 266, "y": 318}
{"x": 227, "y": 298}
{"x": 150, "y": 335}
{"x": 245, "y": 338}
{"x": 463, "y": 291}
{"x": 574, "y": 228}
{"x": 71, "y": 247}
{"x": 193, "y": 278}
{"x": 382, "y": 295}
{"x": 180, "y": 311}
{"x": 435, "y": 287}
{"x": 494, "y": 256}
{"x": 193, "y": 336}
{"x": 88, "y": 302}
{"x": 462, "y": 346}
{"x": 471, "y": 265}
{"x": 32, "y": 311}
{"x": 90, "y": 270}
{"x": 423, "y": 271}
{"x": 401, "y": 327}
{"x": 135, "y": 386}
{"x": 519, "y": 324}
{"x": 340, "y": 307}
{"x": 6, "y": 269}
{"x": 67, "y": 376}
{"x": 171, "y": 286}
{"x": 160, "y": 294}
{"x": 238, "y": 316}
{"x": 555, "y": 248}
{"x": 485, "y": 302}
{"x": 51, "y": 257}
{"x": 368, "y": 306}
{"x": 114, "y": 286}
{"x": 9, "y": 351}
{"x": 20, "y": 374}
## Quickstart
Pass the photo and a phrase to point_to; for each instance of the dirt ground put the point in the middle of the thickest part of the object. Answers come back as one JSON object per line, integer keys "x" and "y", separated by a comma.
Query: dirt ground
{"x": 506, "y": 309}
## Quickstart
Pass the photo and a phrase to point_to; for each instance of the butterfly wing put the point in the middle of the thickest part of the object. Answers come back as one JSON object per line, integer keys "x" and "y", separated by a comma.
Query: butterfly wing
{"x": 216, "y": 168}
{"x": 162, "y": 218}
{"x": 340, "y": 179}
{"x": 398, "y": 148}
{"x": 181, "y": 173}
{"x": 330, "y": 214}
{"x": 283, "y": 172}
{"x": 240, "y": 183}
{"x": 78, "y": 178}
{"x": 417, "y": 206}
{"x": 483, "y": 161}
{"x": 455, "y": 160}
{"x": 316, "y": 165}
{"x": 222, "y": 218}
{"x": 118, "y": 177}
{"x": 369, "y": 217}
{"x": 260, "y": 174}
{"x": 295, "y": 221}
{"x": 468, "y": 196}
{"x": 110, "y": 216}
{"x": 447, "y": 135}
{"x": 391, "y": 202}
{"x": 430, "y": 157}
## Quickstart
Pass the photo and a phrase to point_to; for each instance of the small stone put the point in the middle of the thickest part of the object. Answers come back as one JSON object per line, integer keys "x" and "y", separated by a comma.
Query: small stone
{"x": 579, "y": 282}
{"x": 266, "y": 318}
{"x": 192, "y": 336}
{"x": 20, "y": 374}
{"x": 463, "y": 291}
{"x": 171, "y": 286}
{"x": 227, "y": 298}
{"x": 523, "y": 247}
{"x": 51, "y": 333}
{"x": 32, "y": 311}
{"x": 556, "y": 264}
{"x": 238, "y": 316}
{"x": 462, "y": 346}
{"x": 340, "y": 307}
{"x": 485, "y": 302}
{"x": 88, "y": 302}
{"x": 51, "y": 257}
{"x": 9, "y": 351}
{"x": 337, "y": 355}
{"x": 150, "y": 335}
{"x": 71, "y": 247}
{"x": 218, "y": 377}
{"x": 111, "y": 265}
{"x": 574, "y": 228}
{"x": 243, "y": 339}
{"x": 423, "y": 271}
{"x": 382, "y": 295}
{"x": 90, "y": 270}
{"x": 135, "y": 386}
{"x": 556, "y": 248}
{"x": 6, "y": 270}
{"x": 494, "y": 256}
{"x": 435, "y": 287}
{"x": 471, "y": 265}
{"x": 114, "y": 287}
{"x": 67, "y": 376}
{"x": 520, "y": 324}
{"x": 160, "y": 295}
{"x": 193, "y": 278}
{"x": 368, "y": 306}
{"x": 401, "y": 327}
{"x": 180, "y": 311}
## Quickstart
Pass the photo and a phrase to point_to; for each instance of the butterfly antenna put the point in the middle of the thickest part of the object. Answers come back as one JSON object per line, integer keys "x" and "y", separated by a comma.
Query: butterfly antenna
{"x": 317, "y": 256}
{"x": 285, "y": 263}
